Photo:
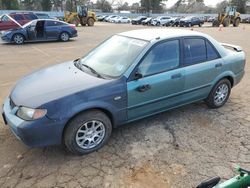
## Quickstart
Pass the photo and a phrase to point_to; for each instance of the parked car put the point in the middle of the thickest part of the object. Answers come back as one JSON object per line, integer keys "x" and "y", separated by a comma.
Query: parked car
{"x": 170, "y": 22}
{"x": 113, "y": 20}
{"x": 123, "y": 20}
{"x": 130, "y": 76}
{"x": 160, "y": 20}
{"x": 108, "y": 19}
{"x": 147, "y": 21}
{"x": 101, "y": 17}
{"x": 40, "y": 30}
{"x": 21, "y": 18}
{"x": 190, "y": 21}
{"x": 211, "y": 19}
{"x": 138, "y": 20}
{"x": 246, "y": 20}
{"x": 43, "y": 16}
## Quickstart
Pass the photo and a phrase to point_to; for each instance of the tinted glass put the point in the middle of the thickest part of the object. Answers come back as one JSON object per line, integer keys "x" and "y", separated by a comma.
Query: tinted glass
{"x": 53, "y": 23}
{"x": 30, "y": 16}
{"x": 162, "y": 57}
{"x": 194, "y": 51}
{"x": 18, "y": 17}
{"x": 211, "y": 53}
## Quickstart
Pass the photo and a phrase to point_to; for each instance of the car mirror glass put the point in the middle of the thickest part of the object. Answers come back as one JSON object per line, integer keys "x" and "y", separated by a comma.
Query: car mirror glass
{"x": 138, "y": 75}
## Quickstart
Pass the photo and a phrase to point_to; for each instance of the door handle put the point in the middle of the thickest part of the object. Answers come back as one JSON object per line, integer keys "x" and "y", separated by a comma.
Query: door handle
{"x": 144, "y": 88}
{"x": 175, "y": 76}
{"x": 218, "y": 65}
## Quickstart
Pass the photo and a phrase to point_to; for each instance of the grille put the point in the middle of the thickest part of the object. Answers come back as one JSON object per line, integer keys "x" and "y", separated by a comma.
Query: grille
{"x": 12, "y": 104}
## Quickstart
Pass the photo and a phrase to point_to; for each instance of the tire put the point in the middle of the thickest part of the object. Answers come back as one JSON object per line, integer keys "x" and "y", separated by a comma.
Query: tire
{"x": 226, "y": 22}
{"x": 18, "y": 39}
{"x": 236, "y": 22}
{"x": 216, "y": 23}
{"x": 76, "y": 129}
{"x": 90, "y": 22}
{"x": 158, "y": 24}
{"x": 199, "y": 25}
{"x": 64, "y": 36}
{"x": 219, "y": 92}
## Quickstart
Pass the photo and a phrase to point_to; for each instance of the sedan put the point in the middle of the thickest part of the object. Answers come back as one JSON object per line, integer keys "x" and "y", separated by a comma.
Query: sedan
{"x": 130, "y": 76}
{"x": 40, "y": 30}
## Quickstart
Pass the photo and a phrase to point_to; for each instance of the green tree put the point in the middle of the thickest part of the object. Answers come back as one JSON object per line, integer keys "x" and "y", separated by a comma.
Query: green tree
{"x": 104, "y": 5}
{"x": 240, "y": 4}
{"x": 221, "y": 7}
{"x": 9, "y": 4}
{"x": 46, "y": 5}
{"x": 152, "y": 5}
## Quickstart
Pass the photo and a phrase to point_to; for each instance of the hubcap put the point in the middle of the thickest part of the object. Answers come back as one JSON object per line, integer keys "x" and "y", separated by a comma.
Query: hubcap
{"x": 18, "y": 39}
{"x": 65, "y": 37}
{"x": 90, "y": 134}
{"x": 221, "y": 94}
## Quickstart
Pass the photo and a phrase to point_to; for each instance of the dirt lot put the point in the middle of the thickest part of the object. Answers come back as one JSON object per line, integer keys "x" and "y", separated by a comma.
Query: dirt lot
{"x": 175, "y": 149}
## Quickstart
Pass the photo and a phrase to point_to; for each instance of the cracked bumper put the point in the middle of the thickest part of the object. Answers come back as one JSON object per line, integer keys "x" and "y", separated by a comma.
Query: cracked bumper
{"x": 37, "y": 133}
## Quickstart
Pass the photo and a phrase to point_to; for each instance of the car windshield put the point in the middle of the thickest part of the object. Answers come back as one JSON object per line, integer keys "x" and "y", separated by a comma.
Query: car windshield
{"x": 113, "y": 57}
{"x": 29, "y": 23}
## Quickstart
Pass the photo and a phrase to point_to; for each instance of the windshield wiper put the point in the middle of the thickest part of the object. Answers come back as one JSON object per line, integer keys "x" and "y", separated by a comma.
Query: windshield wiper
{"x": 80, "y": 65}
{"x": 93, "y": 70}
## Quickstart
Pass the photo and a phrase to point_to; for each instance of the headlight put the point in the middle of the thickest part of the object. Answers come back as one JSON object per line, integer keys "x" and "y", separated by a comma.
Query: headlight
{"x": 30, "y": 114}
{"x": 5, "y": 32}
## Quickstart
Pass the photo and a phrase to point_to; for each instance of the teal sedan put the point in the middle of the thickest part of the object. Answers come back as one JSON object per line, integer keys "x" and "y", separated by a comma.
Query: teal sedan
{"x": 129, "y": 76}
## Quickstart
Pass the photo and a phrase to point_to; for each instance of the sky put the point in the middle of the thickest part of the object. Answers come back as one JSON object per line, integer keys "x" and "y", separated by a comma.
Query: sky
{"x": 170, "y": 3}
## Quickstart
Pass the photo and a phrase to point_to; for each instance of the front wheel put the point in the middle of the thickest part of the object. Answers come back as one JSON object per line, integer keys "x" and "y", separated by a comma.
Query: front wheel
{"x": 64, "y": 37}
{"x": 18, "y": 39}
{"x": 219, "y": 94}
{"x": 87, "y": 132}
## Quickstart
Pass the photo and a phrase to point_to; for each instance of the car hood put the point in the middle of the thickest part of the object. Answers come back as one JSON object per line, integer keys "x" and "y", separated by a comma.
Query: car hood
{"x": 52, "y": 83}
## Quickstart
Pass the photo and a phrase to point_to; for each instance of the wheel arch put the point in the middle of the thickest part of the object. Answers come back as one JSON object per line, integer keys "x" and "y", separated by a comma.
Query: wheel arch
{"x": 12, "y": 37}
{"x": 229, "y": 76}
{"x": 101, "y": 109}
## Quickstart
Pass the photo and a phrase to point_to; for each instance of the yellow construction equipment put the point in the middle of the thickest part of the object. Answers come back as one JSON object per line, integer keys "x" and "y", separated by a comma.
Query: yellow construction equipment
{"x": 82, "y": 16}
{"x": 230, "y": 16}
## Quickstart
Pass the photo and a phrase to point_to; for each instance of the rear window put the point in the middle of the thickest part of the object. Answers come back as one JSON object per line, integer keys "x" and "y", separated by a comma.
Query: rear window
{"x": 17, "y": 17}
{"x": 30, "y": 16}
{"x": 54, "y": 23}
{"x": 211, "y": 52}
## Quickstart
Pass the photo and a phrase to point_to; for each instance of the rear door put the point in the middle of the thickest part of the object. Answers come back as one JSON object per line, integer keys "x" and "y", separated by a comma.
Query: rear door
{"x": 202, "y": 65}
{"x": 52, "y": 29}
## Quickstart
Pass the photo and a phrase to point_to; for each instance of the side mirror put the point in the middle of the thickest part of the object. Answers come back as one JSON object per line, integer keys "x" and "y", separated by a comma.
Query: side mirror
{"x": 138, "y": 75}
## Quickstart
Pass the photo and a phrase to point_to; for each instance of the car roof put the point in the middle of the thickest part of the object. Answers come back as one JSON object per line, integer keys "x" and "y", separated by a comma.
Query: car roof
{"x": 152, "y": 34}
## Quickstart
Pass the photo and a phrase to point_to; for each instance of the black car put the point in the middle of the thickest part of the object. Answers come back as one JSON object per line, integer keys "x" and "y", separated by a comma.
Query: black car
{"x": 138, "y": 20}
{"x": 190, "y": 21}
{"x": 40, "y": 30}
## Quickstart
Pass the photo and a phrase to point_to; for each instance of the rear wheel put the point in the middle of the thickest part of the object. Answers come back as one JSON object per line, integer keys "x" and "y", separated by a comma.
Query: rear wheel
{"x": 18, "y": 39}
{"x": 219, "y": 94}
{"x": 236, "y": 22}
{"x": 90, "y": 22}
{"x": 64, "y": 37}
{"x": 216, "y": 23}
{"x": 87, "y": 132}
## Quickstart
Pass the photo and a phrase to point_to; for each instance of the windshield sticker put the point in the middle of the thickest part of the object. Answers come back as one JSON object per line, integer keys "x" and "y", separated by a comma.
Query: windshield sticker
{"x": 138, "y": 43}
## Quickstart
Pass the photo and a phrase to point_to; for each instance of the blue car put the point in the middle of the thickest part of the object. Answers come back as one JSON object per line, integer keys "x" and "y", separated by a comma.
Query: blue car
{"x": 40, "y": 30}
{"x": 130, "y": 76}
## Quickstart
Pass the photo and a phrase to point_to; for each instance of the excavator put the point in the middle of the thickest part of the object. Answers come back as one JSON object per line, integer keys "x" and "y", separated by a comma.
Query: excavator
{"x": 83, "y": 16}
{"x": 230, "y": 16}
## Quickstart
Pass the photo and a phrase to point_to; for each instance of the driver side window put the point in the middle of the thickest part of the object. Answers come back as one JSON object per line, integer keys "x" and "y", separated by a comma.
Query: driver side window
{"x": 161, "y": 58}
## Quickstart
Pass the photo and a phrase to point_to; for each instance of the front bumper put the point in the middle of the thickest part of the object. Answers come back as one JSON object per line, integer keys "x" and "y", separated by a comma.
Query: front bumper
{"x": 6, "y": 38}
{"x": 37, "y": 133}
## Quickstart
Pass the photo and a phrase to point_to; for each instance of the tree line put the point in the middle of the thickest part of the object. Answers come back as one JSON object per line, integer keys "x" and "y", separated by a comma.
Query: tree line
{"x": 145, "y": 6}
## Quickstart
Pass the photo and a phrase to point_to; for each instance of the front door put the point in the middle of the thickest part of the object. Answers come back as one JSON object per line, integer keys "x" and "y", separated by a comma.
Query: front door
{"x": 161, "y": 83}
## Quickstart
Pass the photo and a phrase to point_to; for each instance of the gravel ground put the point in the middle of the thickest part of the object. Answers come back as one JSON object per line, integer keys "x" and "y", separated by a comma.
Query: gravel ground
{"x": 178, "y": 148}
